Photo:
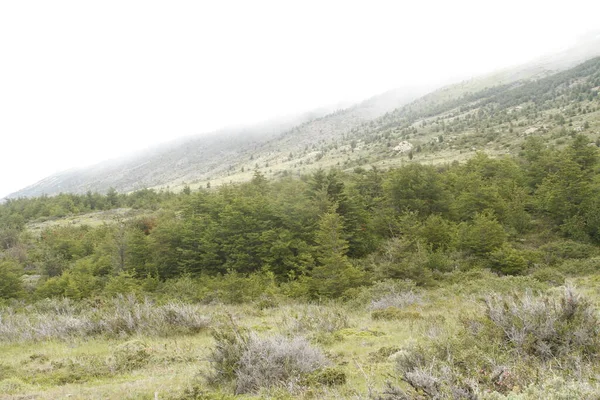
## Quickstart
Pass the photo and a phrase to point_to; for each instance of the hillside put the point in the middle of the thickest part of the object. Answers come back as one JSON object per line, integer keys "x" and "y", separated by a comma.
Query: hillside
{"x": 215, "y": 155}
{"x": 491, "y": 113}
{"x": 495, "y": 120}
{"x": 474, "y": 280}
{"x": 361, "y": 284}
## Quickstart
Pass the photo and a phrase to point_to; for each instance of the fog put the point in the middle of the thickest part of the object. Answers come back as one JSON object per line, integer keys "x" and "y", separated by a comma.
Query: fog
{"x": 82, "y": 82}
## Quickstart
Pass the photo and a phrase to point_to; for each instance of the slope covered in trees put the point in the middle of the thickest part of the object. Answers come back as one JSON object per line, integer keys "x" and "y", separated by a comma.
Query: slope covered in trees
{"x": 324, "y": 234}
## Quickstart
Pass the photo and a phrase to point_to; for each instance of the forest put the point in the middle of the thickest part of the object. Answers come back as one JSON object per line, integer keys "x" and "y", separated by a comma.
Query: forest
{"x": 320, "y": 236}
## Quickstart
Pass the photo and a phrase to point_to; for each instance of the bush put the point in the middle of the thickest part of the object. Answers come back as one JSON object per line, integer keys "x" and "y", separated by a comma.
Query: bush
{"x": 580, "y": 267}
{"x": 11, "y": 285}
{"x": 482, "y": 236}
{"x": 184, "y": 288}
{"x": 329, "y": 376}
{"x": 131, "y": 355}
{"x": 402, "y": 259}
{"x": 520, "y": 342}
{"x": 438, "y": 232}
{"x": 255, "y": 363}
{"x": 236, "y": 288}
{"x": 507, "y": 261}
{"x": 276, "y": 361}
{"x": 122, "y": 284}
{"x": 230, "y": 344}
{"x": 549, "y": 275}
{"x": 547, "y": 327}
{"x": 555, "y": 252}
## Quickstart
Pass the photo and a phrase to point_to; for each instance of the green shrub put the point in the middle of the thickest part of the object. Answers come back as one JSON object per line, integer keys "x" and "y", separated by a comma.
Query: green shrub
{"x": 122, "y": 284}
{"x": 383, "y": 353}
{"x": 580, "y": 267}
{"x": 329, "y": 376}
{"x": 556, "y": 252}
{"x": 236, "y": 288}
{"x": 438, "y": 232}
{"x": 507, "y": 261}
{"x": 184, "y": 288}
{"x": 482, "y": 236}
{"x": 131, "y": 355}
{"x": 401, "y": 259}
{"x": 11, "y": 285}
{"x": 549, "y": 275}
{"x": 392, "y": 313}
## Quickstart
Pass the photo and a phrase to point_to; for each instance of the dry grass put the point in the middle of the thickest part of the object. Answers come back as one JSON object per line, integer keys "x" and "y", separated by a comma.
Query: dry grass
{"x": 269, "y": 361}
{"x": 122, "y": 316}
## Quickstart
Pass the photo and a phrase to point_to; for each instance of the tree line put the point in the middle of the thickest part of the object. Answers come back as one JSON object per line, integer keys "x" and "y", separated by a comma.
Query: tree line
{"x": 319, "y": 236}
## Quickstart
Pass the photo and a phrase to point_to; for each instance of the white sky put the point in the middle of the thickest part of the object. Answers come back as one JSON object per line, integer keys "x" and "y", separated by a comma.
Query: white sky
{"x": 83, "y": 81}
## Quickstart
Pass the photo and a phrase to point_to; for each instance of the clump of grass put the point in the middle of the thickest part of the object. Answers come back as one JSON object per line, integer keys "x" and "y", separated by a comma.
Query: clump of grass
{"x": 131, "y": 355}
{"x": 392, "y": 313}
{"x": 12, "y": 386}
{"x": 72, "y": 370}
{"x": 315, "y": 319}
{"x": 383, "y": 353}
{"x": 397, "y": 300}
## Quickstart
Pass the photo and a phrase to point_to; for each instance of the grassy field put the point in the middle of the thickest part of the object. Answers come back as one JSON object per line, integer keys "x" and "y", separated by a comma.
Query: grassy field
{"x": 140, "y": 350}
{"x": 92, "y": 219}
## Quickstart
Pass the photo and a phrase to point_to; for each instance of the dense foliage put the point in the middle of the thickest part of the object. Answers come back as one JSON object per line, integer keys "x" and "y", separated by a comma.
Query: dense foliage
{"x": 322, "y": 235}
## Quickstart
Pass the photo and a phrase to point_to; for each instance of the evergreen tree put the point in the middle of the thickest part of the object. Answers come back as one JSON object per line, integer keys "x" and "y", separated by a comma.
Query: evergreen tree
{"x": 335, "y": 273}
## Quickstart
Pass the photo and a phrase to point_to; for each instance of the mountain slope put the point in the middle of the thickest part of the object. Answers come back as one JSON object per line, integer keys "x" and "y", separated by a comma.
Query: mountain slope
{"x": 492, "y": 113}
{"x": 204, "y": 157}
{"x": 495, "y": 120}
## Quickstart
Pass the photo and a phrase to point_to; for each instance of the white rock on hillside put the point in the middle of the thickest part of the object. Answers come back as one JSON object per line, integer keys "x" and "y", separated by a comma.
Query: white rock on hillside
{"x": 403, "y": 147}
